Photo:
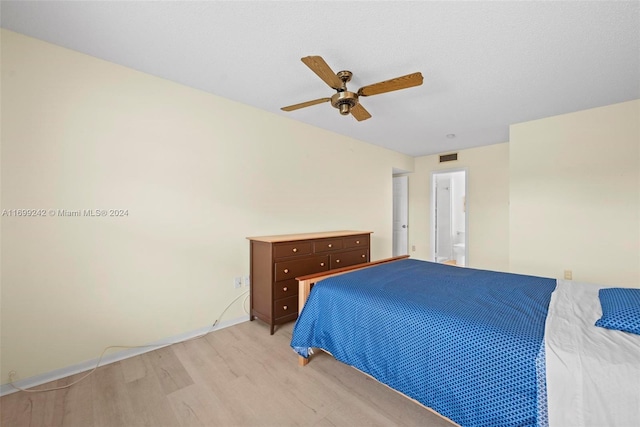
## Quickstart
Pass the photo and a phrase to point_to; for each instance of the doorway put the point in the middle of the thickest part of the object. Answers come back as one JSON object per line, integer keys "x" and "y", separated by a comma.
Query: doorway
{"x": 449, "y": 217}
{"x": 400, "y": 215}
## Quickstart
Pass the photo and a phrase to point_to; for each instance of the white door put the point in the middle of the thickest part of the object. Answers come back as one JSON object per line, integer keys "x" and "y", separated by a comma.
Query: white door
{"x": 400, "y": 215}
{"x": 444, "y": 244}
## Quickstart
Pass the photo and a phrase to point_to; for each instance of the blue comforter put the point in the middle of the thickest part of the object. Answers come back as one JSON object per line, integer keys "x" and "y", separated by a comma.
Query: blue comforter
{"x": 461, "y": 341}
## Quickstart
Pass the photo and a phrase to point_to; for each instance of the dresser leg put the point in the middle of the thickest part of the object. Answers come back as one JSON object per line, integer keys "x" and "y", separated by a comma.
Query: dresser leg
{"x": 272, "y": 329}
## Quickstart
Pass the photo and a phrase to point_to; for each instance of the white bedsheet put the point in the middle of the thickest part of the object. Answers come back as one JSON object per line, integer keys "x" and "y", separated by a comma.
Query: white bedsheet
{"x": 593, "y": 374}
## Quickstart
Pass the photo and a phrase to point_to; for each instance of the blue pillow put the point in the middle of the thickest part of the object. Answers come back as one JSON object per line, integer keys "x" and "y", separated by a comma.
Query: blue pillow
{"x": 620, "y": 309}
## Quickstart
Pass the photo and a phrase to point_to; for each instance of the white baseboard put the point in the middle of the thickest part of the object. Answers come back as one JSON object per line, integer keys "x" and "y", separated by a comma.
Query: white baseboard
{"x": 113, "y": 357}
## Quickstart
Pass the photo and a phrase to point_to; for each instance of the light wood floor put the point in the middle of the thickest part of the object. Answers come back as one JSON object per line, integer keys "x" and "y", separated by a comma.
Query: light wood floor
{"x": 238, "y": 376}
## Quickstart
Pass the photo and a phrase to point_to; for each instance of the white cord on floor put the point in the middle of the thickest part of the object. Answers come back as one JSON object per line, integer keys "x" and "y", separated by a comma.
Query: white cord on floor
{"x": 12, "y": 374}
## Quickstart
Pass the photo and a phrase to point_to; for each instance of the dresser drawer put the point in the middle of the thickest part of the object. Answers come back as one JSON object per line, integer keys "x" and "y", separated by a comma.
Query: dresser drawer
{"x": 291, "y": 269}
{"x": 328, "y": 245}
{"x": 357, "y": 241}
{"x": 284, "y": 289}
{"x": 345, "y": 259}
{"x": 292, "y": 249}
{"x": 285, "y": 307}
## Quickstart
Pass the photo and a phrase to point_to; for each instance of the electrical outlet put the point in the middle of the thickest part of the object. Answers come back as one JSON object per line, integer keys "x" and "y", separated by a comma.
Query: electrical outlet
{"x": 568, "y": 274}
{"x": 247, "y": 280}
{"x": 237, "y": 282}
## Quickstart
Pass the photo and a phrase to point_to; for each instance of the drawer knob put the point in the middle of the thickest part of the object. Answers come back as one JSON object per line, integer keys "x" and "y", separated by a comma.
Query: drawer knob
{"x": 330, "y": 245}
{"x": 322, "y": 264}
{"x": 295, "y": 249}
{"x": 286, "y": 270}
{"x": 363, "y": 255}
{"x": 285, "y": 289}
{"x": 284, "y": 307}
{"x": 337, "y": 261}
{"x": 357, "y": 242}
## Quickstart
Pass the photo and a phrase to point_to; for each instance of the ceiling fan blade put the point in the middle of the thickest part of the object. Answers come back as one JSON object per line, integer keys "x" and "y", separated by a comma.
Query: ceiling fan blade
{"x": 318, "y": 66}
{"x": 398, "y": 83}
{"x": 360, "y": 113}
{"x": 305, "y": 104}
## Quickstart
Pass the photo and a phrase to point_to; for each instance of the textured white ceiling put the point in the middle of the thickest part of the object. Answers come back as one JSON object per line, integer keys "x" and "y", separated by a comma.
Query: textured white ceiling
{"x": 486, "y": 64}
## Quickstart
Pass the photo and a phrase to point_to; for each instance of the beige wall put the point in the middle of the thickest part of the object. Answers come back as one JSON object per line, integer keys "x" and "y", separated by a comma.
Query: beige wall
{"x": 575, "y": 195}
{"x": 197, "y": 174}
{"x": 487, "y": 205}
{"x": 563, "y": 194}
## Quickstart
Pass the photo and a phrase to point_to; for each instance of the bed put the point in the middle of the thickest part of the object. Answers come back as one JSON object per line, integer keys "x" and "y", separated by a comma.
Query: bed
{"x": 468, "y": 344}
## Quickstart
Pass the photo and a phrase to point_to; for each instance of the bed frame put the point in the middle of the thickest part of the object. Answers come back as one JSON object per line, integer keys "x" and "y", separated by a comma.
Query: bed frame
{"x": 305, "y": 283}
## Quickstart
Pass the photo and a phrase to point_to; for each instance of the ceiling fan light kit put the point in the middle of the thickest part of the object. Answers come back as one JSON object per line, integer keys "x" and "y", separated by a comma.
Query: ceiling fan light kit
{"x": 345, "y": 101}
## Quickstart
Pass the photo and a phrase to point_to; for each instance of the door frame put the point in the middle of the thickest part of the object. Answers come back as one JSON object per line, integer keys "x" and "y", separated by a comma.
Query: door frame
{"x": 432, "y": 211}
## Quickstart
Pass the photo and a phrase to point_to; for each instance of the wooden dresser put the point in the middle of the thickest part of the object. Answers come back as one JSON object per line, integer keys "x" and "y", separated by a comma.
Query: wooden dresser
{"x": 276, "y": 261}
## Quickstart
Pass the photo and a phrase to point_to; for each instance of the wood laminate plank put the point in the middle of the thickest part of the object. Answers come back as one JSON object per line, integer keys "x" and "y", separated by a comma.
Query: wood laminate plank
{"x": 203, "y": 363}
{"x": 148, "y": 399}
{"x": 265, "y": 404}
{"x": 169, "y": 370}
{"x": 307, "y": 387}
{"x": 66, "y": 407}
{"x": 75, "y": 404}
{"x": 240, "y": 376}
{"x": 18, "y": 411}
{"x": 359, "y": 414}
{"x": 111, "y": 405}
{"x": 43, "y": 410}
{"x": 198, "y": 405}
{"x": 401, "y": 410}
{"x": 14, "y": 410}
{"x": 133, "y": 368}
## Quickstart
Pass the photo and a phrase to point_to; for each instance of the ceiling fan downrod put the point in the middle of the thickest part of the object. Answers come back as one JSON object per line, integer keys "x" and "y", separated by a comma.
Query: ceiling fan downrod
{"x": 344, "y": 100}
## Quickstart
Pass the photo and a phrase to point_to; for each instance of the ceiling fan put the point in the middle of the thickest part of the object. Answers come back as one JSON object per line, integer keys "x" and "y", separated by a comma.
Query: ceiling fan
{"x": 344, "y": 100}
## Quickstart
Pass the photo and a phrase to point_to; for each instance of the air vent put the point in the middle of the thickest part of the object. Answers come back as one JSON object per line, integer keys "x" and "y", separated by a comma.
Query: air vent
{"x": 448, "y": 157}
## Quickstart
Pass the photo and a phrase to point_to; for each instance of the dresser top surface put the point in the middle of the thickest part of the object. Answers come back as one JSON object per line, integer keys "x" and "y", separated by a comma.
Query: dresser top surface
{"x": 307, "y": 236}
